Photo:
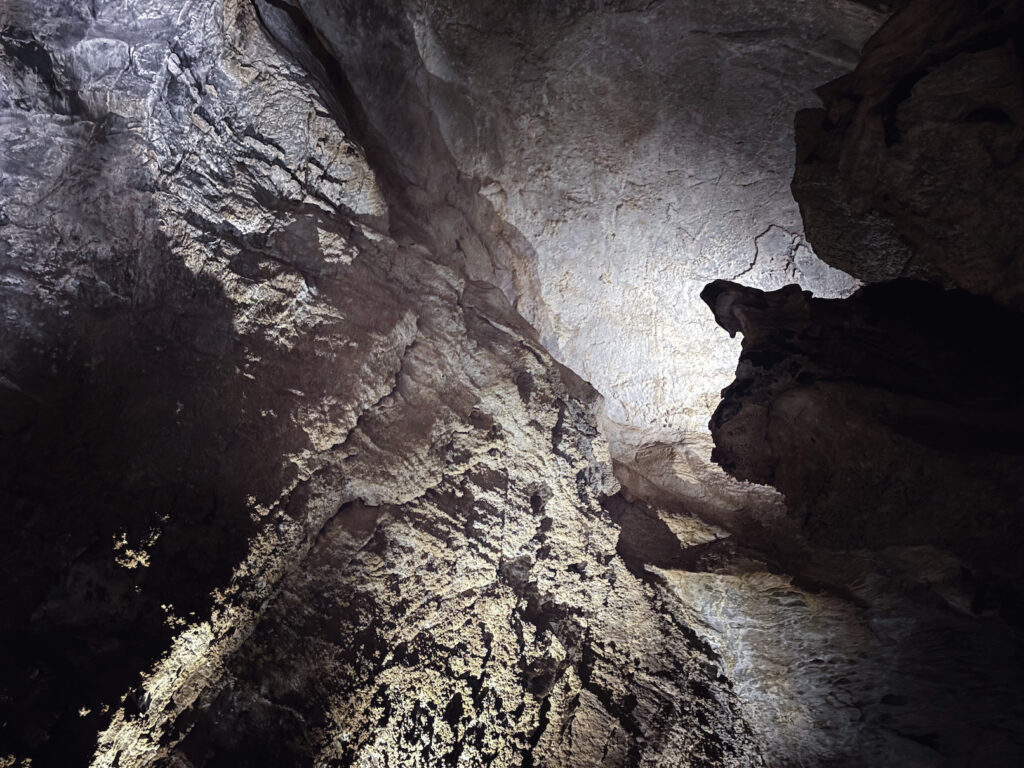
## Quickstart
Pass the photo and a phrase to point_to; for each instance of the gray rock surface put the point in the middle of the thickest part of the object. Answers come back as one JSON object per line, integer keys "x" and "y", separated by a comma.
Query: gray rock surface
{"x": 281, "y": 482}
{"x": 287, "y": 477}
{"x": 890, "y": 420}
{"x": 632, "y": 152}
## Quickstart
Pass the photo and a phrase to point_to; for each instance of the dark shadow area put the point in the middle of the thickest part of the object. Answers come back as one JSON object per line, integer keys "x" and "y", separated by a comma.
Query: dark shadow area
{"x": 914, "y": 166}
{"x": 118, "y": 439}
{"x": 893, "y": 417}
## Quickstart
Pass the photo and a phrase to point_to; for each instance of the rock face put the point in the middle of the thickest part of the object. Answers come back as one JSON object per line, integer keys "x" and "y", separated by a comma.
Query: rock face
{"x": 600, "y": 163}
{"x": 913, "y": 164}
{"x": 290, "y": 475}
{"x": 282, "y": 483}
{"x": 908, "y": 378}
{"x": 612, "y": 158}
{"x": 890, "y": 421}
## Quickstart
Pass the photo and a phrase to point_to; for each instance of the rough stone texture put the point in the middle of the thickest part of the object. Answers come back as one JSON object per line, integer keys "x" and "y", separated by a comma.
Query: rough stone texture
{"x": 288, "y": 480}
{"x": 281, "y": 483}
{"x": 612, "y": 157}
{"x": 905, "y": 366}
{"x": 891, "y": 422}
{"x": 913, "y": 168}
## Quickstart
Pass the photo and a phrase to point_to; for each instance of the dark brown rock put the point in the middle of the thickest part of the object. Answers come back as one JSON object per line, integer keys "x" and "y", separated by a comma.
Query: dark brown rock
{"x": 915, "y": 165}
{"x": 891, "y": 417}
{"x": 892, "y": 422}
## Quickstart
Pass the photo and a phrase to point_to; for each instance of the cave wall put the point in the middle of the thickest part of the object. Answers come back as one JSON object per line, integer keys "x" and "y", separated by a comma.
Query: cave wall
{"x": 641, "y": 150}
{"x": 293, "y": 472}
{"x": 891, "y": 420}
{"x": 612, "y": 158}
{"x": 912, "y": 167}
{"x": 283, "y": 483}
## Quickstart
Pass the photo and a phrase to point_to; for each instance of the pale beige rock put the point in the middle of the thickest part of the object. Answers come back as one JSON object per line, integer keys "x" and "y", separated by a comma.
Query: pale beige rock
{"x": 260, "y": 344}
{"x": 640, "y": 152}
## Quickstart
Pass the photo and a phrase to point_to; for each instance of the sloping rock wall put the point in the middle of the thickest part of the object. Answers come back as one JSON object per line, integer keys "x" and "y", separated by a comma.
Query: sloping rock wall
{"x": 281, "y": 482}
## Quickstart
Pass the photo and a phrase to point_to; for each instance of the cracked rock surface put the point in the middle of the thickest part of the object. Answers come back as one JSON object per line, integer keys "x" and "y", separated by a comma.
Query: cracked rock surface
{"x": 282, "y": 483}
{"x": 291, "y": 471}
{"x": 612, "y": 158}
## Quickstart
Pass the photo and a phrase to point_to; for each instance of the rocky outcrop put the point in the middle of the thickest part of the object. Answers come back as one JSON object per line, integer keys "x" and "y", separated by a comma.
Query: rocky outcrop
{"x": 601, "y": 162}
{"x": 889, "y": 418}
{"x": 914, "y": 163}
{"x": 890, "y": 421}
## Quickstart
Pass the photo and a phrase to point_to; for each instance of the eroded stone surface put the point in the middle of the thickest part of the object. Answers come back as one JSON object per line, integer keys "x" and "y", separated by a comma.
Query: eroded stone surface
{"x": 631, "y": 151}
{"x": 281, "y": 482}
{"x": 913, "y": 166}
{"x": 287, "y": 480}
{"x": 890, "y": 420}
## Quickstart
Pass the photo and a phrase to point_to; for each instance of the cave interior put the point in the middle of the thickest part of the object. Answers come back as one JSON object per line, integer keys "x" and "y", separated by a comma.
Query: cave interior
{"x": 511, "y": 383}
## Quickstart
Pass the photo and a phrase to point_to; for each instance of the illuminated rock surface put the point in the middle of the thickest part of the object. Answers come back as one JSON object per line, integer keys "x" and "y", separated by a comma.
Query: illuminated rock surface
{"x": 292, "y": 472}
{"x": 285, "y": 451}
{"x": 632, "y": 153}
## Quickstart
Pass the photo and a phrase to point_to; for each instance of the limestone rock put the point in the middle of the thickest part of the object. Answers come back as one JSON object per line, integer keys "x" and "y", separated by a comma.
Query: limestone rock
{"x": 912, "y": 168}
{"x": 282, "y": 482}
{"x": 890, "y": 420}
{"x": 288, "y": 470}
{"x": 603, "y": 161}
